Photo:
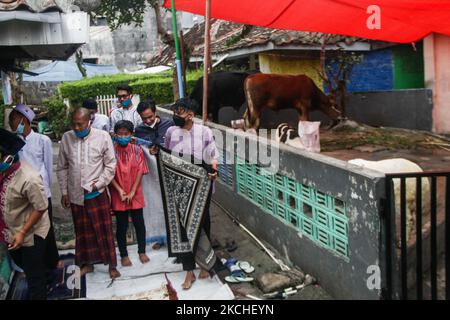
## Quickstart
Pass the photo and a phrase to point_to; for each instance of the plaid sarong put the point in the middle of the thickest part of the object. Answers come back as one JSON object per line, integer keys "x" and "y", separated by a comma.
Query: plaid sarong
{"x": 93, "y": 232}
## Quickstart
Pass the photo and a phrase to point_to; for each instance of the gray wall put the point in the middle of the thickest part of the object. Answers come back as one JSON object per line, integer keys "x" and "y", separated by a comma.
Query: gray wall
{"x": 407, "y": 109}
{"x": 126, "y": 47}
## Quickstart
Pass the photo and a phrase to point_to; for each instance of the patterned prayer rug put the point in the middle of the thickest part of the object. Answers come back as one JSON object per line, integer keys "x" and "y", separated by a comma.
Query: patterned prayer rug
{"x": 186, "y": 189}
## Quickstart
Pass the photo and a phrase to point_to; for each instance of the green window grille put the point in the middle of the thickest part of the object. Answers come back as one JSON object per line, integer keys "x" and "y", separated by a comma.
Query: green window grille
{"x": 315, "y": 214}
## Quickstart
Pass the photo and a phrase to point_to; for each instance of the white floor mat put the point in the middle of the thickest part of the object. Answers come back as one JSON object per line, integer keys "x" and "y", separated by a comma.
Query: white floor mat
{"x": 146, "y": 280}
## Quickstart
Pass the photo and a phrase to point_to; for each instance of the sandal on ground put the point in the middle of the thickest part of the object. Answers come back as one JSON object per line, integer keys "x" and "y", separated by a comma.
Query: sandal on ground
{"x": 238, "y": 279}
{"x": 245, "y": 266}
{"x": 237, "y": 274}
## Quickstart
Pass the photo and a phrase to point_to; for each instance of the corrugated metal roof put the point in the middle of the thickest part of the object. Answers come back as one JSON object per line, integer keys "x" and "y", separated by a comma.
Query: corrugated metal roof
{"x": 35, "y": 5}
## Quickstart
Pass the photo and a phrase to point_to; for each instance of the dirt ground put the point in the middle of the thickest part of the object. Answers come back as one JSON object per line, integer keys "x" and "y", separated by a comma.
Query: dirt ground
{"x": 351, "y": 140}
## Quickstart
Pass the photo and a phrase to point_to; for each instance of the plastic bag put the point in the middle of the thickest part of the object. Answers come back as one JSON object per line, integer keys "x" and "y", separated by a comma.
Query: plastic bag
{"x": 308, "y": 132}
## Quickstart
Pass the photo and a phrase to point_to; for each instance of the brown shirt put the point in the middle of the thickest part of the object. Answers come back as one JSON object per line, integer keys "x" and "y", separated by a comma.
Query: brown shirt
{"x": 25, "y": 193}
{"x": 82, "y": 162}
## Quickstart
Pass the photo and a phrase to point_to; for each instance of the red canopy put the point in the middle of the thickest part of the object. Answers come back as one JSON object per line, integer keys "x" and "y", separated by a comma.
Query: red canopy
{"x": 389, "y": 20}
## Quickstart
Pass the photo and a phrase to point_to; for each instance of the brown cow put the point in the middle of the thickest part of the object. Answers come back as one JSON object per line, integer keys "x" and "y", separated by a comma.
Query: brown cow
{"x": 276, "y": 92}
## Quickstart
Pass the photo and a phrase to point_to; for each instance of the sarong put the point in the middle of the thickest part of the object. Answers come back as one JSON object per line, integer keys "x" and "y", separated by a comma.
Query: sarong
{"x": 93, "y": 232}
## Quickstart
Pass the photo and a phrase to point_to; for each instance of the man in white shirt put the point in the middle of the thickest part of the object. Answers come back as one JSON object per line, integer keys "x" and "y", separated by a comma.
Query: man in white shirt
{"x": 99, "y": 121}
{"x": 86, "y": 167}
{"x": 38, "y": 153}
{"x": 127, "y": 111}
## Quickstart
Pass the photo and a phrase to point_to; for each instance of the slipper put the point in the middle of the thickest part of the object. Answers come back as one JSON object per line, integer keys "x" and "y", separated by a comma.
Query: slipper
{"x": 245, "y": 266}
{"x": 234, "y": 279}
{"x": 231, "y": 265}
{"x": 231, "y": 279}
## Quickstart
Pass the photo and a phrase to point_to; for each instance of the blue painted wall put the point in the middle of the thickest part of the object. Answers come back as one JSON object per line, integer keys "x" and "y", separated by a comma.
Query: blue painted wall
{"x": 374, "y": 73}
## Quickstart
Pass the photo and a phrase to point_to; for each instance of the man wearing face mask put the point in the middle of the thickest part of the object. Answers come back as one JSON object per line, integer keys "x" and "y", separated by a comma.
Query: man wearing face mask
{"x": 99, "y": 121}
{"x": 86, "y": 166}
{"x": 38, "y": 153}
{"x": 152, "y": 131}
{"x": 24, "y": 222}
{"x": 126, "y": 111}
{"x": 189, "y": 138}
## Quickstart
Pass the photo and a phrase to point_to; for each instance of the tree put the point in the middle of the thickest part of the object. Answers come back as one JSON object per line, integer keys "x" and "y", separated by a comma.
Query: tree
{"x": 337, "y": 71}
{"x": 131, "y": 12}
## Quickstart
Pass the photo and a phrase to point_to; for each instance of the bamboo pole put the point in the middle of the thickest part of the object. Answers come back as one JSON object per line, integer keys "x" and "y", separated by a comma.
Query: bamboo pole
{"x": 206, "y": 60}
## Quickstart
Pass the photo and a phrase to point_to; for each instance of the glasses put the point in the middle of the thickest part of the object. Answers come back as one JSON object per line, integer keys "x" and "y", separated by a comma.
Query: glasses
{"x": 123, "y": 96}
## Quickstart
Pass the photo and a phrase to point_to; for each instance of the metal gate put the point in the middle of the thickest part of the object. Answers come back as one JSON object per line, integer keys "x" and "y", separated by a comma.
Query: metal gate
{"x": 416, "y": 235}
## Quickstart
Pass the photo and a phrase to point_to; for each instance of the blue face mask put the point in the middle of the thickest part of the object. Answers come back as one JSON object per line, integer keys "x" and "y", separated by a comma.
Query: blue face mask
{"x": 126, "y": 103}
{"x": 123, "y": 141}
{"x": 83, "y": 133}
{"x": 5, "y": 165}
{"x": 20, "y": 128}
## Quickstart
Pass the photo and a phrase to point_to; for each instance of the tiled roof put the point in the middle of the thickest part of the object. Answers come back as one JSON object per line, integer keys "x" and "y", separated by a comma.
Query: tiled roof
{"x": 227, "y": 36}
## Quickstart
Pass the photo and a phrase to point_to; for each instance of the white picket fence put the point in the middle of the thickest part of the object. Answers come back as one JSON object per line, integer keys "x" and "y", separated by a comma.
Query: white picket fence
{"x": 107, "y": 102}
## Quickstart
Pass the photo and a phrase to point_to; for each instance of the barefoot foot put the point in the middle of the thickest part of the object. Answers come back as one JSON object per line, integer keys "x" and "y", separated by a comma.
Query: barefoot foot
{"x": 203, "y": 274}
{"x": 144, "y": 258}
{"x": 114, "y": 273}
{"x": 189, "y": 280}
{"x": 126, "y": 262}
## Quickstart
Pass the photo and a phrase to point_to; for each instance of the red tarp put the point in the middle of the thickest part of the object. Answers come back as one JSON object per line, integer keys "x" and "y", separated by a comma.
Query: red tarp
{"x": 399, "y": 20}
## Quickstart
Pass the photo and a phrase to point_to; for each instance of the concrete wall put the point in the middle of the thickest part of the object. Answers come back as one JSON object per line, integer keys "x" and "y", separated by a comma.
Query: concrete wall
{"x": 127, "y": 47}
{"x": 398, "y": 67}
{"x": 408, "y": 66}
{"x": 437, "y": 78}
{"x": 408, "y": 109}
{"x": 273, "y": 63}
